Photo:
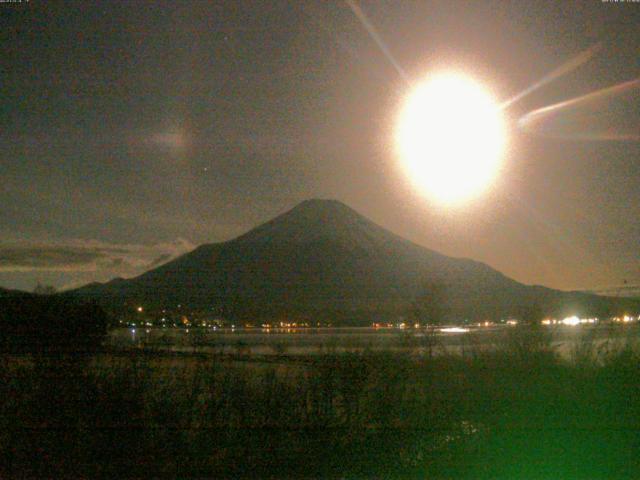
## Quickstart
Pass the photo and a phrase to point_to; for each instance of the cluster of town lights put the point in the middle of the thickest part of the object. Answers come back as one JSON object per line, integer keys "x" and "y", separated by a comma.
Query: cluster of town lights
{"x": 185, "y": 322}
{"x": 573, "y": 320}
{"x": 625, "y": 319}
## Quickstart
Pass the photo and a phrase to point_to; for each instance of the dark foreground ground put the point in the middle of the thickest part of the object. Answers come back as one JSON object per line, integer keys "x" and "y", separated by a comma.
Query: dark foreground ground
{"x": 519, "y": 411}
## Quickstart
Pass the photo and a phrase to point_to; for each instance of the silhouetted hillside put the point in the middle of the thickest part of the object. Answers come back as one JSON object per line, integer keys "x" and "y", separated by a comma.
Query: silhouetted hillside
{"x": 49, "y": 324}
{"x": 323, "y": 260}
{"x": 6, "y": 293}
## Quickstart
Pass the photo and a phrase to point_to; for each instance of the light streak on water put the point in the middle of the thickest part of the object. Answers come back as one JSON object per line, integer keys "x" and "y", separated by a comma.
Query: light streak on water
{"x": 454, "y": 330}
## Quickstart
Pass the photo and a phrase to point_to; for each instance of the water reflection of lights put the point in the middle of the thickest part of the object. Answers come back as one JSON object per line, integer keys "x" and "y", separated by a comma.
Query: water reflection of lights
{"x": 573, "y": 320}
{"x": 454, "y": 330}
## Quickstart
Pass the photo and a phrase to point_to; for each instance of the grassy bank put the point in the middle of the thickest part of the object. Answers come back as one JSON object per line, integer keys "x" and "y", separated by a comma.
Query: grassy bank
{"x": 515, "y": 412}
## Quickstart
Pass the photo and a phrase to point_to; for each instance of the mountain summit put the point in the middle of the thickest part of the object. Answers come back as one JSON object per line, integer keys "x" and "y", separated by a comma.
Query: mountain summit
{"x": 325, "y": 261}
{"x": 313, "y": 220}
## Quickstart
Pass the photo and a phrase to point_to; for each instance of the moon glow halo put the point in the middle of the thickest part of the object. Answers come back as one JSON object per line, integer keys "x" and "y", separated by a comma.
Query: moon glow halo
{"x": 451, "y": 138}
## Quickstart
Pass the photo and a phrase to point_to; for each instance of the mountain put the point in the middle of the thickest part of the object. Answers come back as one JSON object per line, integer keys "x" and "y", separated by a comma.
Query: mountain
{"x": 322, "y": 260}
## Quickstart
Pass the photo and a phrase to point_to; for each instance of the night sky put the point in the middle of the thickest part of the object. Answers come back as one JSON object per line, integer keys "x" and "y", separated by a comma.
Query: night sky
{"x": 133, "y": 131}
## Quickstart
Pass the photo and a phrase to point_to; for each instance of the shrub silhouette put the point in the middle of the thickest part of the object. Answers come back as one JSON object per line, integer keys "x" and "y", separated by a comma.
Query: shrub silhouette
{"x": 51, "y": 326}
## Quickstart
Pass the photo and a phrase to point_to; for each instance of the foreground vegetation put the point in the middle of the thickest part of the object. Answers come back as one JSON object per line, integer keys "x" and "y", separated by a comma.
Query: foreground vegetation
{"x": 518, "y": 411}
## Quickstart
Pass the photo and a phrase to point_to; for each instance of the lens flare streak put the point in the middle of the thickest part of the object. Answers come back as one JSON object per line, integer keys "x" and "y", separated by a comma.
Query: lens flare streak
{"x": 368, "y": 26}
{"x": 567, "y": 67}
{"x": 532, "y": 121}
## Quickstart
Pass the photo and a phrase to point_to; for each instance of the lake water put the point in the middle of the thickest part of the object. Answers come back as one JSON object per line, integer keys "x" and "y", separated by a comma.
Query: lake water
{"x": 307, "y": 341}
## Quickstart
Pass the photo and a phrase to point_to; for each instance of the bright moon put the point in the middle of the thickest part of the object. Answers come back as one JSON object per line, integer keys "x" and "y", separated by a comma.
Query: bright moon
{"x": 451, "y": 138}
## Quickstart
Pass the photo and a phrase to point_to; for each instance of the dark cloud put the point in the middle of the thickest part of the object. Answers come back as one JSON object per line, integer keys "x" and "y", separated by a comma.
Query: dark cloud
{"x": 19, "y": 258}
{"x": 122, "y": 260}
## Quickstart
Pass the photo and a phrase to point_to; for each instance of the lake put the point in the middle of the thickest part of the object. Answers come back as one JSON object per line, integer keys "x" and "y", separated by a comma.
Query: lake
{"x": 312, "y": 341}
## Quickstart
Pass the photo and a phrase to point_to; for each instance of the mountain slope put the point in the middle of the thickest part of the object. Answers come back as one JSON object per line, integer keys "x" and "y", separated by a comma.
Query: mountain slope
{"x": 323, "y": 259}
